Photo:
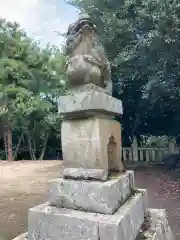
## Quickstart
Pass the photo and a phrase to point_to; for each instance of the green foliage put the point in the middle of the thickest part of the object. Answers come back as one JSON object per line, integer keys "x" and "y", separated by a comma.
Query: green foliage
{"x": 141, "y": 38}
{"x": 159, "y": 141}
{"x": 31, "y": 79}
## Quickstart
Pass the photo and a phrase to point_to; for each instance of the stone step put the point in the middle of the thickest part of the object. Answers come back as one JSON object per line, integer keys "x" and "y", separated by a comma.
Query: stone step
{"x": 46, "y": 222}
{"x": 92, "y": 196}
{"x": 155, "y": 228}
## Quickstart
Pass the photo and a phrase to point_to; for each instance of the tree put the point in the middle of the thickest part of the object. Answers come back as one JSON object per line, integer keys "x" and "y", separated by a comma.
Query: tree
{"x": 141, "y": 38}
{"x": 30, "y": 81}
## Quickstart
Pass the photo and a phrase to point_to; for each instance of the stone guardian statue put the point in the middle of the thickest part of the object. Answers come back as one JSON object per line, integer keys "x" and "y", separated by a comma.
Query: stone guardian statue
{"x": 86, "y": 59}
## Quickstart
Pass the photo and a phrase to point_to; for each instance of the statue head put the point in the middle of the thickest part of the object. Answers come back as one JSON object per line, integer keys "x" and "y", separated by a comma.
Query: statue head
{"x": 82, "y": 21}
{"x": 76, "y": 29}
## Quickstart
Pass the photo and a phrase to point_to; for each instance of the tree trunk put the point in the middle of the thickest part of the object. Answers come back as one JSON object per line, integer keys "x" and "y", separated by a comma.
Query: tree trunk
{"x": 5, "y": 141}
{"x": 44, "y": 147}
{"x": 18, "y": 145}
{"x": 9, "y": 143}
{"x": 31, "y": 149}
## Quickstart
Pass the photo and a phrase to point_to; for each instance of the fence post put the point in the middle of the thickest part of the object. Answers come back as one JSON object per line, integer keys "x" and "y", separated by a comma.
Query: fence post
{"x": 172, "y": 145}
{"x": 135, "y": 149}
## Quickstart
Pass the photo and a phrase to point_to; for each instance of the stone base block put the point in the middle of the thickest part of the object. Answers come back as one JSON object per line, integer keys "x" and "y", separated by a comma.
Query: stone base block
{"x": 93, "y": 143}
{"x": 126, "y": 222}
{"x": 92, "y": 196}
{"x": 159, "y": 228}
{"x": 88, "y": 103}
{"x": 53, "y": 223}
{"x": 156, "y": 227}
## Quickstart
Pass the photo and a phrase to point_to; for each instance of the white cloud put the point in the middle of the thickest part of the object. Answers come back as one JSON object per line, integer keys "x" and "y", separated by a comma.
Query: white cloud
{"x": 39, "y": 18}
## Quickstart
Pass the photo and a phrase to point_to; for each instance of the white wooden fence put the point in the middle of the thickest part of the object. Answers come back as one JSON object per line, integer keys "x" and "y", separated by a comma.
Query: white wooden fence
{"x": 147, "y": 154}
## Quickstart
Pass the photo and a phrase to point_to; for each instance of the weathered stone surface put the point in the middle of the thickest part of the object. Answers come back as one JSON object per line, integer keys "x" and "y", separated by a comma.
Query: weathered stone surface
{"x": 86, "y": 174}
{"x": 92, "y": 196}
{"x": 87, "y": 61}
{"x": 160, "y": 223}
{"x": 60, "y": 224}
{"x": 158, "y": 227}
{"x": 126, "y": 222}
{"x": 158, "y": 216}
{"x": 52, "y": 223}
{"x": 93, "y": 102}
{"x": 169, "y": 234}
{"x": 93, "y": 143}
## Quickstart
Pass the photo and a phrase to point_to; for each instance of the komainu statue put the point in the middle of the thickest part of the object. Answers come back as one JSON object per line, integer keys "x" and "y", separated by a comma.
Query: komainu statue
{"x": 86, "y": 59}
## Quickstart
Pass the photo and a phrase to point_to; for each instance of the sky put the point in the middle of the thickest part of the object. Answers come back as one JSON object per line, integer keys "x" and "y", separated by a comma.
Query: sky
{"x": 41, "y": 19}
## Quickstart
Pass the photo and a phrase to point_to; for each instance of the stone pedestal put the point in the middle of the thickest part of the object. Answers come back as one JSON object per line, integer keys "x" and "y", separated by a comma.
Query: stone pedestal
{"x": 53, "y": 223}
{"x": 95, "y": 199}
{"x": 96, "y": 210}
{"x": 158, "y": 227}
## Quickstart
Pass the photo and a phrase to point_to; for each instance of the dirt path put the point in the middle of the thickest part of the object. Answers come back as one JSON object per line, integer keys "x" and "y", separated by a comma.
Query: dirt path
{"x": 23, "y": 185}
